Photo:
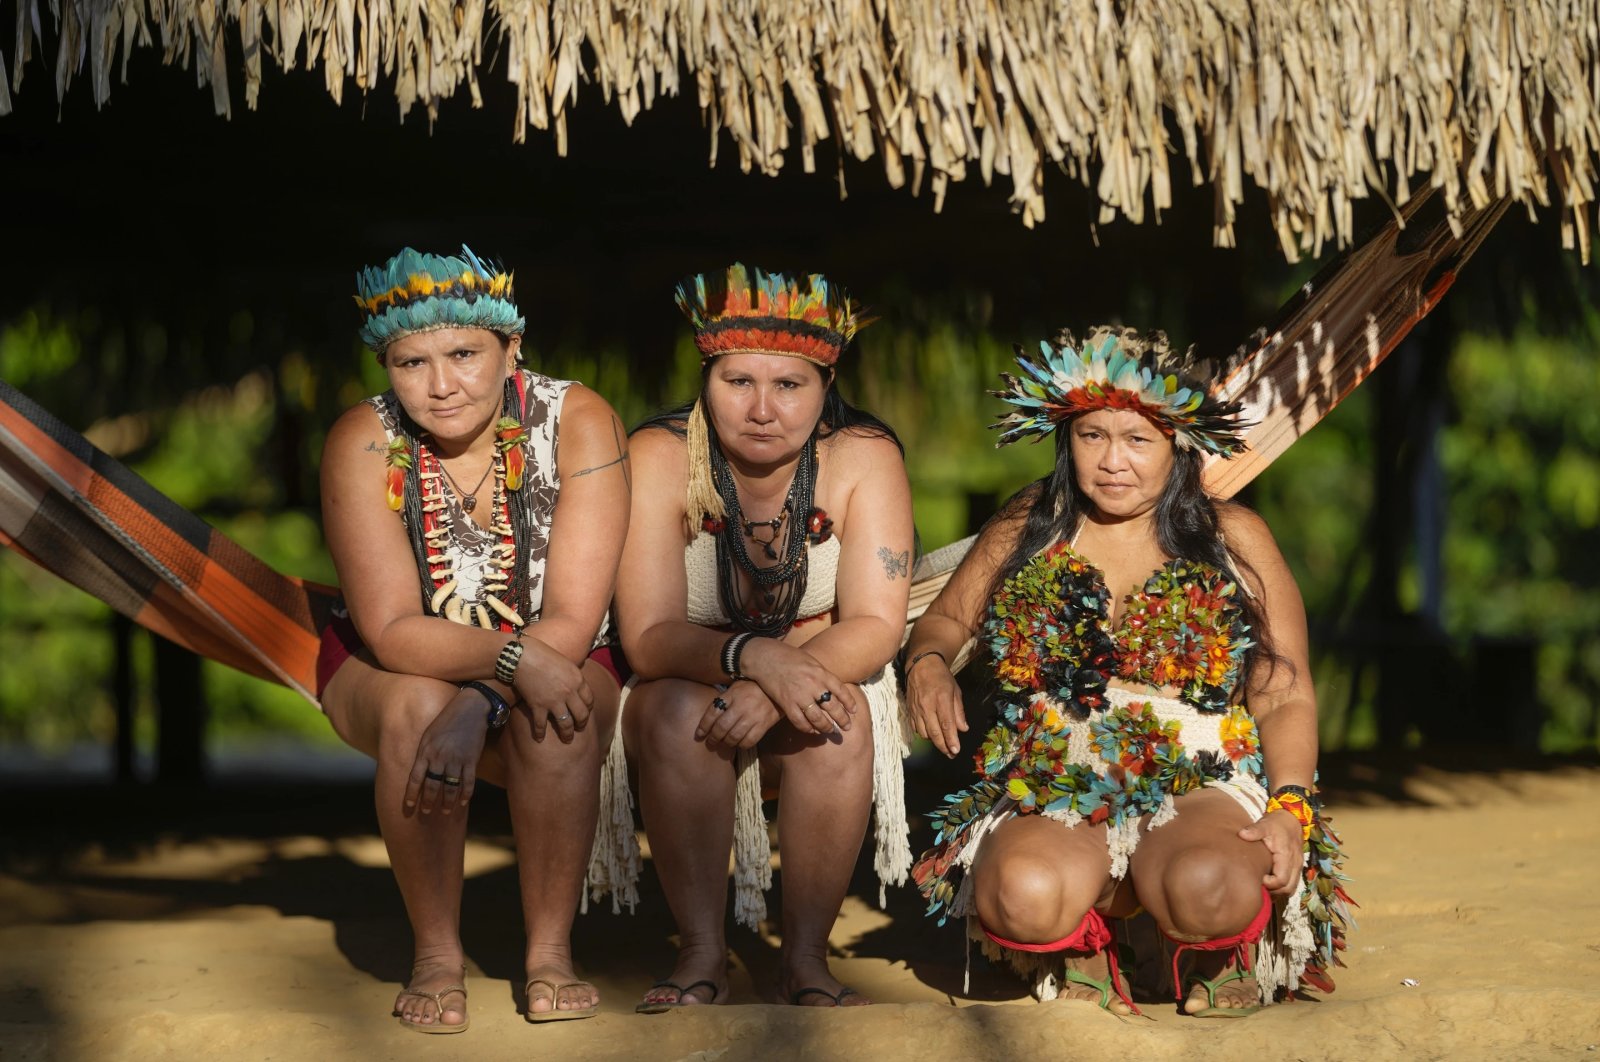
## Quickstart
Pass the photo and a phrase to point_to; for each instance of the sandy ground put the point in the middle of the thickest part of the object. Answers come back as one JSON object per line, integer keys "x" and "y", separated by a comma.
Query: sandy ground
{"x": 260, "y": 922}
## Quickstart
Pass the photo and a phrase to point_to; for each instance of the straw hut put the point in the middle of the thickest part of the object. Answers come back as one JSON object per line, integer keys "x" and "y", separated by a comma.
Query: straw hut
{"x": 1317, "y": 105}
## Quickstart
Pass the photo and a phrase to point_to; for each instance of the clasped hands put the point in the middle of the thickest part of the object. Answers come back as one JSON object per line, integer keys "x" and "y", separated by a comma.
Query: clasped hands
{"x": 779, "y": 682}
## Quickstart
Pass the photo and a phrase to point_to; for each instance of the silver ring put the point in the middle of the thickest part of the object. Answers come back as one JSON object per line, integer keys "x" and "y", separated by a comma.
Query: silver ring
{"x": 719, "y": 704}
{"x": 563, "y": 717}
{"x": 825, "y": 697}
{"x": 452, "y": 781}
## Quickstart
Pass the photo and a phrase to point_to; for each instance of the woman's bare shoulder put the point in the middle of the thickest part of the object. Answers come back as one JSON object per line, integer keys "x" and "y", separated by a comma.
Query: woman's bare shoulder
{"x": 660, "y": 461}
{"x": 357, "y": 426}
{"x": 584, "y": 403}
{"x": 1243, "y": 528}
{"x": 861, "y": 452}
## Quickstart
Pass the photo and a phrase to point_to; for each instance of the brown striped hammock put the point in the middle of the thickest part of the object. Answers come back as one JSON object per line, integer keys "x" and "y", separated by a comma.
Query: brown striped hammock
{"x": 79, "y": 513}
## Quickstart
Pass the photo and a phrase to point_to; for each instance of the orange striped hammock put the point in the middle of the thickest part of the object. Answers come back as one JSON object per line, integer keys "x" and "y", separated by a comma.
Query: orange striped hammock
{"x": 79, "y": 513}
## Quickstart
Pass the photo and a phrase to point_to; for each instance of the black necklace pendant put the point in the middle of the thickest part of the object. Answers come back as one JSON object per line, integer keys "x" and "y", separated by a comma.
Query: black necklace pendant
{"x": 774, "y": 526}
{"x": 469, "y": 502}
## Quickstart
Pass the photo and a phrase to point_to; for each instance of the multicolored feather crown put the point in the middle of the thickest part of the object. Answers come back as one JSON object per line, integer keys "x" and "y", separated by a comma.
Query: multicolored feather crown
{"x": 1119, "y": 369}
{"x": 416, "y": 292}
{"x": 748, "y": 311}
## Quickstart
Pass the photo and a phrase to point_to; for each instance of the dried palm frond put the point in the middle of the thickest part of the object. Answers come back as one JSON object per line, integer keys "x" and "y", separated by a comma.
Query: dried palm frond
{"x": 1318, "y": 104}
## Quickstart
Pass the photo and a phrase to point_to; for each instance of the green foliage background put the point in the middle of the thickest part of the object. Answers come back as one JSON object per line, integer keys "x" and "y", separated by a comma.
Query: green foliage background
{"x": 1522, "y": 479}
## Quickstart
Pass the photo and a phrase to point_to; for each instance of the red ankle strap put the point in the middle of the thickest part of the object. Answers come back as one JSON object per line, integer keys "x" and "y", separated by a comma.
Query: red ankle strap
{"x": 1239, "y": 941}
{"x": 1093, "y": 935}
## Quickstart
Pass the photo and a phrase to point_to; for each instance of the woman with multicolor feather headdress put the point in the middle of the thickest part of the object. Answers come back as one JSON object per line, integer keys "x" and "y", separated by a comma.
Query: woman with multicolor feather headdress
{"x": 1156, "y": 736}
{"x": 472, "y": 645}
{"x": 761, "y": 598}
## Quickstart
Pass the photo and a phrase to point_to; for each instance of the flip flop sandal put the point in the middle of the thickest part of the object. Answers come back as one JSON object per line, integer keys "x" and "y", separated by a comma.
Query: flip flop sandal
{"x": 555, "y": 1013}
{"x": 1103, "y": 985}
{"x": 437, "y": 1027}
{"x": 661, "y": 1006}
{"x": 838, "y": 1000}
{"x": 1212, "y": 1010}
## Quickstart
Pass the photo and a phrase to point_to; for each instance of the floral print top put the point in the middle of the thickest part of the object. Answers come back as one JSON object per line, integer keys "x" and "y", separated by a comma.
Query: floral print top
{"x": 469, "y": 546}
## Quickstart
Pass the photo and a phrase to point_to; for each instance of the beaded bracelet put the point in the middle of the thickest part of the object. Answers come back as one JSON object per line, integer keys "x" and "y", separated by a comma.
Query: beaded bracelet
{"x": 505, "y": 665}
{"x": 732, "y": 652}
{"x": 1296, "y": 805}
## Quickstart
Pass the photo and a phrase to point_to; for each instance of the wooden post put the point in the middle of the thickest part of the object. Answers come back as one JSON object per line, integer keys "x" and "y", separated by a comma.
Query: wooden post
{"x": 122, "y": 696}
{"x": 180, "y": 742}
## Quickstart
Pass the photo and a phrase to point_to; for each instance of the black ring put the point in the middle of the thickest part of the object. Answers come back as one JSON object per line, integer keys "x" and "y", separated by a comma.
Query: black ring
{"x": 719, "y": 704}
{"x": 433, "y": 776}
{"x": 452, "y": 781}
{"x": 826, "y": 696}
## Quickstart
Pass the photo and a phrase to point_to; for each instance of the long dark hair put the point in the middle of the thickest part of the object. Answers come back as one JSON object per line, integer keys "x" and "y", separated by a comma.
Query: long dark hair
{"x": 837, "y": 414}
{"x": 1186, "y": 526}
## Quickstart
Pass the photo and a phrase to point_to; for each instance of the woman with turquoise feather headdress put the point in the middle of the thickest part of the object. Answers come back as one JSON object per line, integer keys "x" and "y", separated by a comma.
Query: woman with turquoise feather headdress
{"x": 761, "y": 599}
{"x": 1156, "y": 738}
{"x": 477, "y": 558}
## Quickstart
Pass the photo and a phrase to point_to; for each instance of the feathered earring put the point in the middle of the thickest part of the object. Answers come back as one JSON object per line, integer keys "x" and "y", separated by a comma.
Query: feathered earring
{"x": 398, "y": 462}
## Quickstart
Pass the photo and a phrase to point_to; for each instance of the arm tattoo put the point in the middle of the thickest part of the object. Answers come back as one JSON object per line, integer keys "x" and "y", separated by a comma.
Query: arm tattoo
{"x": 597, "y": 468}
{"x": 895, "y": 564}
{"x": 620, "y": 459}
{"x": 374, "y": 448}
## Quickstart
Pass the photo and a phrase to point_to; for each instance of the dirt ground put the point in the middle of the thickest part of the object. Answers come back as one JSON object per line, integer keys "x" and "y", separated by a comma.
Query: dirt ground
{"x": 259, "y": 921}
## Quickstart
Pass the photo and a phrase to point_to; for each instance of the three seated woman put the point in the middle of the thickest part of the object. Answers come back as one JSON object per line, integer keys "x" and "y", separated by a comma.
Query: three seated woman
{"x": 765, "y": 537}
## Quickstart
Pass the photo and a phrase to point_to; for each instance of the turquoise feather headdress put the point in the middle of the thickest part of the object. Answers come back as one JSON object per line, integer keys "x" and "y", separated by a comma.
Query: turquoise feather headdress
{"x": 416, "y": 292}
{"x": 1118, "y": 369}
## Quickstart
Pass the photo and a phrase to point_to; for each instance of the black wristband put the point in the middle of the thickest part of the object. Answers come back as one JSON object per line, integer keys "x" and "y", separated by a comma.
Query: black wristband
{"x": 499, "y": 709}
{"x": 1298, "y": 790}
{"x": 926, "y": 652}
{"x": 733, "y": 652}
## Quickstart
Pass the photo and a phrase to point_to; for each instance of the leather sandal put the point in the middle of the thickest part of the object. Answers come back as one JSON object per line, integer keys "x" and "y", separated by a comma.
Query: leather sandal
{"x": 555, "y": 1013}
{"x": 437, "y": 1027}
{"x": 661, "y": 1006}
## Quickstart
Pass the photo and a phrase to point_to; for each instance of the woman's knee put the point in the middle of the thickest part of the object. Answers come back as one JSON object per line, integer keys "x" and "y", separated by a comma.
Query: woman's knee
{"x": 1208, "y": 893}
{"x": 1023, "y": 897}
{"x": 838, "y": 753}
{"x": 661, "y": 716}
{"x": 408, "y": 709}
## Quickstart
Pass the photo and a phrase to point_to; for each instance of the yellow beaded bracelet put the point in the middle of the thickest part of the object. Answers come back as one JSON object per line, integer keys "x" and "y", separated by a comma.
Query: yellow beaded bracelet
{"x": 1296, "y": 805}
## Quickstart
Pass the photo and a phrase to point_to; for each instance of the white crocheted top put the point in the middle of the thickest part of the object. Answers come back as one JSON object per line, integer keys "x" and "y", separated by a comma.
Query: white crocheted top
{"x": 705, "y": 605}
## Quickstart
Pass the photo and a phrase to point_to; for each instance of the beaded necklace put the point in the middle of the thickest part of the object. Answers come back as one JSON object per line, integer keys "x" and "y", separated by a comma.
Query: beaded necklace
{"x": 438, "y": 519}
{"x": 781, "y": 586}
{"x": 416, "y": 485}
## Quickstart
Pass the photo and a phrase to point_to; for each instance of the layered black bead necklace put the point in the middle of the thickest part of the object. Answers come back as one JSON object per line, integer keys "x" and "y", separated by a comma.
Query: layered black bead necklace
{"x": 778, "y": 587}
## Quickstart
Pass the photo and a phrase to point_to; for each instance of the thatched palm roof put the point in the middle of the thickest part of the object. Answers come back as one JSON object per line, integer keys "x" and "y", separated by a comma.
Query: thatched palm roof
{"x": 1316, "y": 103}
